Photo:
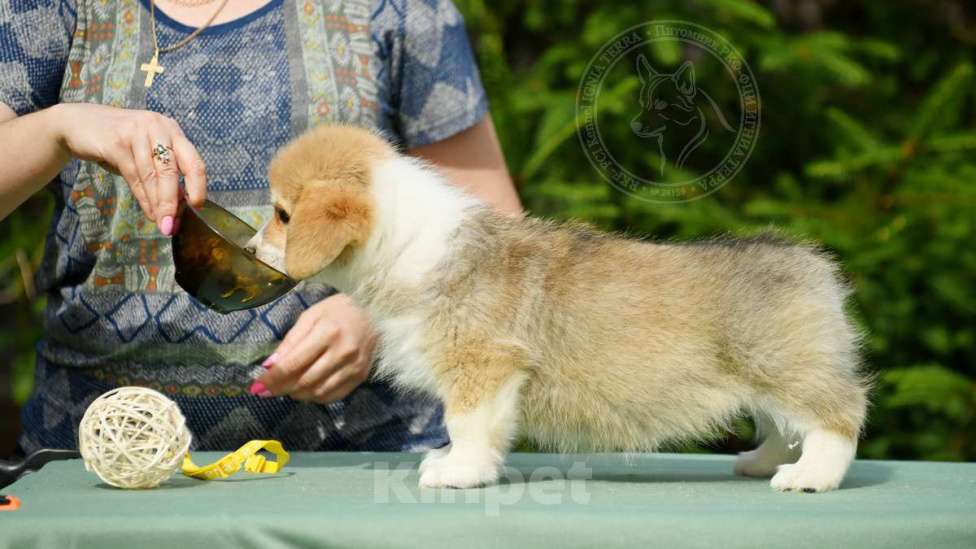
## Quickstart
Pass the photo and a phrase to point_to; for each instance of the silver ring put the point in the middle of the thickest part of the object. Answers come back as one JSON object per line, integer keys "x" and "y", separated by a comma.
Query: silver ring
{"x": 162, "y": 152}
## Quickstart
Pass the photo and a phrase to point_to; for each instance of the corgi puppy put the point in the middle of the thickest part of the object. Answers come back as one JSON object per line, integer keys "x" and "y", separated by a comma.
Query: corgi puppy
{"x": 576, "y": 339}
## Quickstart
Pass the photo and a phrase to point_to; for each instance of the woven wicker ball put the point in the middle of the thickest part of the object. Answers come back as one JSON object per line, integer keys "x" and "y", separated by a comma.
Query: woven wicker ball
{"x": 133, "y": 437}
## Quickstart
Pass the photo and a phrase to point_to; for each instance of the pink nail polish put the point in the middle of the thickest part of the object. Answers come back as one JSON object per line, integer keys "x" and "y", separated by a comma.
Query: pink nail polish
{"x": 166, "y": 225}
{"x": 258, "y": 388}
{"x": 270, "y": 361}
{"x": 265, "y": 394}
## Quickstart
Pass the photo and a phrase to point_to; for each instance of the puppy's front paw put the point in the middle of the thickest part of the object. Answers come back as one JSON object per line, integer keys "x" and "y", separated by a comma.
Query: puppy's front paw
{"x": 806, "y": 477}
{"x": 432, "y": 456}
{"x": 458, "y": 471}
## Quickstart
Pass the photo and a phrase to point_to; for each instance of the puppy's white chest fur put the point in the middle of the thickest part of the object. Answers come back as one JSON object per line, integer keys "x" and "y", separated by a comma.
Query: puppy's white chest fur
{"x": 392, "y": 275}
{"x": 402, "y": 351}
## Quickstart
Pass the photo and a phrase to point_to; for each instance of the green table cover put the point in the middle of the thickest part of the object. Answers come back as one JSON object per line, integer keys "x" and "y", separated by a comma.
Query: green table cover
{"x": 372, "y": 500}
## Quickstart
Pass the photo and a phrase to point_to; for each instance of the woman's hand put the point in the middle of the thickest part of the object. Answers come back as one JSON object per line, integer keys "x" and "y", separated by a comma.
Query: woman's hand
{"x": 325, "y": 355}
{"x": 123, "y": 141}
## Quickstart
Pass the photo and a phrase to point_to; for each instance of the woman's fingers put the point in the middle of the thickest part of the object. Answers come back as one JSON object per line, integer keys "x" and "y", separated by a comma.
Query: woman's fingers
{"x": 306, "y": 321}
{"x": 343, "y": 363}
{"x": 139, "y": 192}
{"x": 342, "y": 382}
{"x": 326, "y": 367}
{"x": 283, "y": 376}
{"x": 142, "y": 156}
{"x": 339, "y": 392}
{"x": 331, "y": 381}
{"x": 167, "y": 182}
{"x": 340, "y": 361}
{"x": 149, "y": 150}
{"x": 125, "y": 165}
{"x": 279, "y": 375}
{"x": 191, "y": 165}
{"x": 324, "y": 356}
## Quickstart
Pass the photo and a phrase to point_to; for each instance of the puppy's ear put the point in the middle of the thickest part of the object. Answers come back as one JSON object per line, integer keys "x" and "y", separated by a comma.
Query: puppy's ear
{"x": 684, "y": 77}
{"x": 325, "y": 221}
{"x": 644, "y": 69}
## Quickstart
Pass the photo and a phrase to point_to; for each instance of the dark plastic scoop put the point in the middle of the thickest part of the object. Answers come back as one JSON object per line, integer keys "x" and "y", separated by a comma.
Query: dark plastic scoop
{"x": 213, "y": 265}
{"x": 10, "y": 471}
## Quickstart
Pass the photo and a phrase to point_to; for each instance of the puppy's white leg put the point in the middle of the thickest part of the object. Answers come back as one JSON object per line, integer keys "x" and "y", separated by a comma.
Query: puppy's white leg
{"x": 822, "y": 465}
{"x": 774, "y": 451}
{"x": 432, "y": 456}
{"x": 480, "y": 438}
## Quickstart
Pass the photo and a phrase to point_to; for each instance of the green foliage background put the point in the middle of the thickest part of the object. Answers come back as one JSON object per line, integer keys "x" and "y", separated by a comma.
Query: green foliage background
{"x": 868, "y": 145}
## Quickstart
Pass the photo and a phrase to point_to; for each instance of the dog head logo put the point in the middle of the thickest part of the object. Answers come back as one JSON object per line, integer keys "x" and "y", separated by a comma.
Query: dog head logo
{"x": 673, "y": 112}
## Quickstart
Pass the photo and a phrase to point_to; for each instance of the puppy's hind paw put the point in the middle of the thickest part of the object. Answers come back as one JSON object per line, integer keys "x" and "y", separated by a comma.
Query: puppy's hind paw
{"x": 802, "y": 477}
{"x": 756, "y": 464}
{"x": 451, "y": 472}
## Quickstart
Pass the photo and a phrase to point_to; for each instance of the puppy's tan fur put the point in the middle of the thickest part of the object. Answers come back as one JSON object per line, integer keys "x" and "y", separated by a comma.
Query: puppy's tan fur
{"x": 577, "y": 339}
{"x": 327, "y": 189}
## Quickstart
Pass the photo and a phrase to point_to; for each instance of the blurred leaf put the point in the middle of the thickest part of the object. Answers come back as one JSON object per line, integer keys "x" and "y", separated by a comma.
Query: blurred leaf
{"x": 933, "y": 387}
{"x": 745, "y": 10}
{"x": 853, "y": 130}
{"x": 829, "y": 52}
{"x": 941, "y": 107}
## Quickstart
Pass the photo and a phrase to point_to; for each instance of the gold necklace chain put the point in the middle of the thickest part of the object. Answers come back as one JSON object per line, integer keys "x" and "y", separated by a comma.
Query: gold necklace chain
{"x": 152, "y": 68}
{"x": 191, "y": 3}
{"x": 188, "y": 39}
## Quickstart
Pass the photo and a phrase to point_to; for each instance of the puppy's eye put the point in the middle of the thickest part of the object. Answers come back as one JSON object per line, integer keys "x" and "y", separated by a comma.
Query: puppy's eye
{"x": 282, "y": 216}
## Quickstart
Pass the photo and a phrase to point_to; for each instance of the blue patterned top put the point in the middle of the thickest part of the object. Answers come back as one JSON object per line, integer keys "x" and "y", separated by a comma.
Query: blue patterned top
{"x": 115, "y": 315}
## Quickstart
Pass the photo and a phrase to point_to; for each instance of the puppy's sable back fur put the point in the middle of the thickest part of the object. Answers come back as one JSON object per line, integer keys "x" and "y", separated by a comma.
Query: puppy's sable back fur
{"x": 574, "y": 338}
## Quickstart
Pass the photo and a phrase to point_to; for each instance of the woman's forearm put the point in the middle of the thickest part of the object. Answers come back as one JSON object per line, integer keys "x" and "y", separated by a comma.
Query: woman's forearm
{"x": 473, "y": 160}
{"x": 31, "y": 155}
{"x": 148, "y": 149}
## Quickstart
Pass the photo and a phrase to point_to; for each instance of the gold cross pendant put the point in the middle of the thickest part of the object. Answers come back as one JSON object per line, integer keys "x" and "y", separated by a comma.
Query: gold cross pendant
{"x": 152, "y": 68}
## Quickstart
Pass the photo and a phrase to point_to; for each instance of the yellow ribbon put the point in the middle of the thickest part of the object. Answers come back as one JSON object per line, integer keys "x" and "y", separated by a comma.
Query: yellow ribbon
{"x": 246, "y": 455}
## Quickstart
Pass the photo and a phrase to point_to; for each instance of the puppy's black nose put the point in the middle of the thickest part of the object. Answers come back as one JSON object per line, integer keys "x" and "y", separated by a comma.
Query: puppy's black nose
{"x": 251, "y": 250}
